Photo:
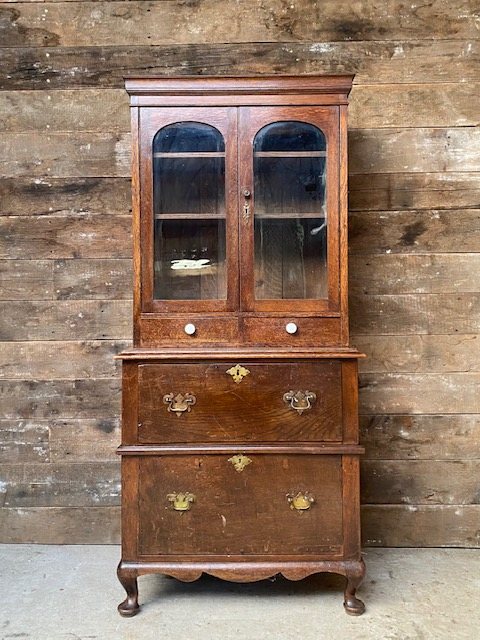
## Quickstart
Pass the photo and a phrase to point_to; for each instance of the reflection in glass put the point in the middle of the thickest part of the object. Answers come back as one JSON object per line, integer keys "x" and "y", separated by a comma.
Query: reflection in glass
{"x": 290, "y": 212}
{"x": 189, "y": 210}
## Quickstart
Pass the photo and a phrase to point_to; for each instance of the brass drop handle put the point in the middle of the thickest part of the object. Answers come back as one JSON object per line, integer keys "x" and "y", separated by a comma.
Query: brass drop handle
{"x": 246, "y": 205}
{"x": 181, "y": 501}
{"x": 179, "y": 403}
{"x": 299, "y": 401}
{"x": 302, "y": 501}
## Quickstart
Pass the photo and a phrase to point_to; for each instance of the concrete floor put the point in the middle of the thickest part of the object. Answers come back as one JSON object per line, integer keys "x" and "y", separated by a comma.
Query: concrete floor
{"x": 71, "y": 593}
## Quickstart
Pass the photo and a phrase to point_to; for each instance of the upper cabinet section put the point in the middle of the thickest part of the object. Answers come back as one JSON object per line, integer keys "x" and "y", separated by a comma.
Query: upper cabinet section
{"x": 239, "y": 204}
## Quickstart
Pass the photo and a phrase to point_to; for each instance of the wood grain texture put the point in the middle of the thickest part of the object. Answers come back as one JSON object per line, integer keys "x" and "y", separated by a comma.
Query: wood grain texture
{"x": 84, "y": 439}
{"x": 65, "y": 319}
{"x": 26, "y": 279}
{"x": 39, "y": 360}
{"x": 23, "y": 441}
{"x": 420, "y": 437}
{"x": 397, "y": 191}
{"x": 419, "y": 353}
{"x": 374, "y": 62}
{"x": 93, "y": 278}
{"x": 28, "y": 196}
{"x": 175, "y": 22}
{"x": 421, "y": 525}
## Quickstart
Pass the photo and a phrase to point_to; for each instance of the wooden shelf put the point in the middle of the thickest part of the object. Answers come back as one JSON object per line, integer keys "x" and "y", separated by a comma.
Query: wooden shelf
{"x": 189, "y": 216}
{"x": 190, "y": 154}
{"x": 289, "y": 154}
{"x": 288, "y": 216}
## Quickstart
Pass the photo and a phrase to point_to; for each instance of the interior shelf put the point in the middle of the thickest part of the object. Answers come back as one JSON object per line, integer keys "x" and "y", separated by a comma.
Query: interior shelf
{"x": 289, "y": 154}
{"x": 189, "y": 217}
{"x": 190, "y": 154}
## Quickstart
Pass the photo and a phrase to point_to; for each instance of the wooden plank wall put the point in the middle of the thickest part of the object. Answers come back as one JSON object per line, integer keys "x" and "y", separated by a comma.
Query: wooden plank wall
{"x": 65, "y": 242}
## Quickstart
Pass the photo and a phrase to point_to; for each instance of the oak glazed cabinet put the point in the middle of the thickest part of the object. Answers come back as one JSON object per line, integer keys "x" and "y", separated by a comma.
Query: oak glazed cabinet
{"x": 240, "y": 453}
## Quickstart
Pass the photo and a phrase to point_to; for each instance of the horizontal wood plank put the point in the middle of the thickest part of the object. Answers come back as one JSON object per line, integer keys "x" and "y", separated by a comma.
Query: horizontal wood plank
{"x": 38, "y": 360}
{"x": 65, "y": 154}
{"x": 61, "y": 525}
{"x": 60, "y": 484}
{"x": 26, "y": 279}
{"x": 410, "y": 314}
{"x": 452, "y": 231}
{"x": 65, "y": 319}
{"x": 390, "y": 393}
{"x": 103, "y": 109}
{"x": 374, "y": 62}
{"x": 413, "y": 150}
{"x": 420, "y": 437}
{"x": 81, "y": 236}
{"x": 421, "y": 526}
{"x": 24, "y": 441}
{"x": 87, "y": 439}
{"x": 420, "y": 482}
{"x": 419, "y": 354}
{"x": 396, "y": 273}
{"x": 177, "y": 22}
{"x": 396, "y": 191}
{"x": 92, "y": 278}
{"x": 27, "y": 196}
{"x": 76, "y": 399}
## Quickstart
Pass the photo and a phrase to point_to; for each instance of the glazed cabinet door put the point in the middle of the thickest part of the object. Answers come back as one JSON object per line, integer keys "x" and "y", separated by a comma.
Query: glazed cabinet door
{"x": 289, "y": 209}
{"x": 188, "y": 191}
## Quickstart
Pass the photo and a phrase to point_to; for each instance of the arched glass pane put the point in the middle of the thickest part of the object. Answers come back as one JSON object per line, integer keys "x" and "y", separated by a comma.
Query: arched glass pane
{"x": 289, "y": 167}
{"x": 189, "y": 210}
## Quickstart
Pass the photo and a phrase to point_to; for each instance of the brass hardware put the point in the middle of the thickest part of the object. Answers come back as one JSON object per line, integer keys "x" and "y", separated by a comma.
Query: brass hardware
{"x": 300, "y": 401}
{"x": 246, "y": 193}
{"x": 246, "y": 205}
{"x": 239, "y": 461}
{"x": 181, "y": 501}
{"x": 301, "y": 501}
{"x": 238, "y": 372}
{"x": 180, "y": 403}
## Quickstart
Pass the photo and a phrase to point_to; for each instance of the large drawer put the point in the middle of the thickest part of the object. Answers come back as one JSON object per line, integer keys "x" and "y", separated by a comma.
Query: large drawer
{"x": 249, "y": 512}
{"x": 273, "y": 402}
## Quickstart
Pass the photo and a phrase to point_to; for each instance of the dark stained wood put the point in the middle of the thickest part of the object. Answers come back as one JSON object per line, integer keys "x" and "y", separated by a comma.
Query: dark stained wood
{"x": 293, "y": 414}
{"x": 249, "y": 411}
{"x": 373, "y": 62}
{"x": 226, "y": 499}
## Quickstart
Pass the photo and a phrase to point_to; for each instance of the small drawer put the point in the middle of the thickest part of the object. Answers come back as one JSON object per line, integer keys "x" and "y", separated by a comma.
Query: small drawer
{"x": 276, "y": 504}
{"x": 290, "y": 332}
{"x": 240, "y": 402}
{"x": 189, "y": 330}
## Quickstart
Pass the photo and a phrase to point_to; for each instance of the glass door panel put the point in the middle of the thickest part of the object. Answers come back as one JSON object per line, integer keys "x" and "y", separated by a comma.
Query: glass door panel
{"x": 189, "y": 213}
{"x": 290, "y": 216}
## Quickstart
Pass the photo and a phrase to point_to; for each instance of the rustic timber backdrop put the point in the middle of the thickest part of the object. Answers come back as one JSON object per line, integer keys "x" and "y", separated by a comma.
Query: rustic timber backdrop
{"x": 414, "y": 227}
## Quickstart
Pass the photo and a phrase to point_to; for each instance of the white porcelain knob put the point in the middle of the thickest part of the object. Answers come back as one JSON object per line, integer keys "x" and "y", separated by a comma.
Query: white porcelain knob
{"x": 189, "y": 329}
{"x": 291, "y": 327}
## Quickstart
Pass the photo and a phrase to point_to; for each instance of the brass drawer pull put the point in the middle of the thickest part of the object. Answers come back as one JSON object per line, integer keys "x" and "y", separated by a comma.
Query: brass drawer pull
{"x": 180, "y": 403}
{"x": 300, "y": 401}
{"x": 181, "y": 501}
{"x": 301, "y": 501}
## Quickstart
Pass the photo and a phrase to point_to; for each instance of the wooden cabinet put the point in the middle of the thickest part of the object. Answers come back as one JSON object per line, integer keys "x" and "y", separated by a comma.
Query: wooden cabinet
{"x": 240, "y": 453}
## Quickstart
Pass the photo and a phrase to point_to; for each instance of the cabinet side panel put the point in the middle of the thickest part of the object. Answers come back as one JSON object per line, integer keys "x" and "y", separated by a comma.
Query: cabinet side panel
{"x": 343, "y": 226}
{"x": 351, "y": 507}
{"x": 136, "y": 226}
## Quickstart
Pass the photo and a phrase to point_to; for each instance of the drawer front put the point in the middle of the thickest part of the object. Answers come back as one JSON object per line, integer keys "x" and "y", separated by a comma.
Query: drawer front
{"x": 307, "y": 331}
{"x": 173, "y": 330}
{"x": 252, "y": 511}
{"x": 221, "y": 402}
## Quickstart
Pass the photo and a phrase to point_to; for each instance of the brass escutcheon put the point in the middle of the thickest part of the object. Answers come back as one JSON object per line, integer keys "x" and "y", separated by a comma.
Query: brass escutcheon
{"x": 181, "y": 501}
{"x": 180, "y": 403}
{"x": 300, "y": 401}
{"x": 240, "y": 461}
{"x": 238, "y": 372}
{"x": 301, "y": 501}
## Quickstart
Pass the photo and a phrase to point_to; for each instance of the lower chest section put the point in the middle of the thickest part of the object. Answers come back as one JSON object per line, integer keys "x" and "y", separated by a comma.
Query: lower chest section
{"x": 281, "y": 504}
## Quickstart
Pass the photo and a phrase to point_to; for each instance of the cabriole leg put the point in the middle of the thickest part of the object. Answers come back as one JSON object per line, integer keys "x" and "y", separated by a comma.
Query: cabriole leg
{"x": 129, "y": 607}
{"x": 355, "y": 574}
